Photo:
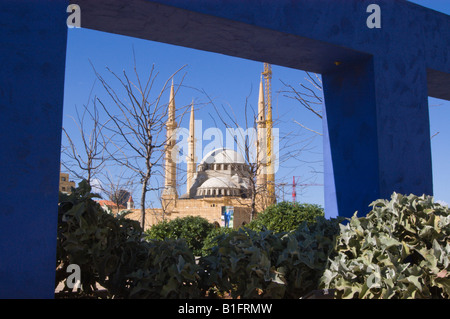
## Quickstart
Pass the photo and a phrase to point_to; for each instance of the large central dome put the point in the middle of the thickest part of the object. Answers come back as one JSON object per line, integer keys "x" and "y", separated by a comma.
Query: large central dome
{"x": 221, "y": 172}
{"x": 223, "y": 156}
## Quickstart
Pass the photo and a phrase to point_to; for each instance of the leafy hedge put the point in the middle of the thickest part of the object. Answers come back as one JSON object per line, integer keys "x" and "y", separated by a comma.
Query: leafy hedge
{"x": 193, "y": 229}
{"x": 110, "y": 252}
{"x": 168, "y": 270}
{"x": 307, "y": 254}
{"x": 213, "y": 238}
{"x": 286, "y": 216}
{"x": 401, "y": 249}
{"x": 268, "y": 264}
{"x": 243, "y": 263}
{"x": 200, "y": 234}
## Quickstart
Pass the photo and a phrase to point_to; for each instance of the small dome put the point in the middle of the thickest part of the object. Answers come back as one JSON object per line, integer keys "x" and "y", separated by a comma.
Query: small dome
{"x": 223, "y": 156}
{"x": 219, "y": 182}
{"x": 219, "y": 186}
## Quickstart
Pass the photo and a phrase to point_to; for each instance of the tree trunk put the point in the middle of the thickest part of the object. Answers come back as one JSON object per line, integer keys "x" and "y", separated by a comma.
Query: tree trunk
{"x": 143, "y": 193}
{"x": 253, "y": 206}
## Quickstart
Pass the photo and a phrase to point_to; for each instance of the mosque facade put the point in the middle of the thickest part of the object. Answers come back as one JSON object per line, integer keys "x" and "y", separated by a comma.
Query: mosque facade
{"x": 222, "y": 187}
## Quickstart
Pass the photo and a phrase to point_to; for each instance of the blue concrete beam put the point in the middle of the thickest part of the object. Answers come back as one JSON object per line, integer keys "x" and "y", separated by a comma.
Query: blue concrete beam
{"x": 32, "y": 58}
{"x": 303, "y": 34}
{"x": 165, "y": 23}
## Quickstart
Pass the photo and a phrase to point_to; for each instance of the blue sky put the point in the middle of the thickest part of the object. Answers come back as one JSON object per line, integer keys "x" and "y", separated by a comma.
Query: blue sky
{"x": 229, "y": 82}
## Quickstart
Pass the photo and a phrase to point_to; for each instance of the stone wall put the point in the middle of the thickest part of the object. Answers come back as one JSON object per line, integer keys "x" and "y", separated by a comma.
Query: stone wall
{"x": 210, "y": 209}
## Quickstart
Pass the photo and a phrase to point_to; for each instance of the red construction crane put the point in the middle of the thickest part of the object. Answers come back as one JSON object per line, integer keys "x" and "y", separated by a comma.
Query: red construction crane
{"x": 294, "y": 183}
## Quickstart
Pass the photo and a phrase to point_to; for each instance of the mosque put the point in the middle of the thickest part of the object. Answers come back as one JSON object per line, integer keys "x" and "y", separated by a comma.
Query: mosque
{"x": 223, "y": 187}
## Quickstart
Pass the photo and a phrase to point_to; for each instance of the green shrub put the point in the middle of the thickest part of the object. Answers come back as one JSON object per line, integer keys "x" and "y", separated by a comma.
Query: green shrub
{"x": 213, "y": 237}
{"x": 401, "y": 249}
{"x": 305, "y": 255}
{"x": 286, "y": 216}
{"x": 110, "y": 252}
{"x": 243, "y": 264}
{"x": 167, "y": 271}
{"x": 267, "y": 264}
{"x": 192, "y": 229}
{"x": 105, "y": 247}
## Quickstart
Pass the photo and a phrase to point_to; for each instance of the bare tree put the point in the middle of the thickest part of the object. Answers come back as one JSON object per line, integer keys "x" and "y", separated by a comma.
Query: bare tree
{"x": 161, "y": 206}
{"x": 310, "y": 97}
{"x": 85, "y": 159}
{"x": 138, "y": 125}
{"x": 117, "y": 187}
{"x": 252, "y": 148}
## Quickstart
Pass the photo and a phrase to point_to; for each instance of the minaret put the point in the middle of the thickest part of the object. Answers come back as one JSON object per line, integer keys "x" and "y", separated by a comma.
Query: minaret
{"x": 170, "y": 177}
{"x": 130, "y": 203}
{"x": 191, "y": 158}
{"x": 270, "y": 155}
{"x": 261, "y": 151}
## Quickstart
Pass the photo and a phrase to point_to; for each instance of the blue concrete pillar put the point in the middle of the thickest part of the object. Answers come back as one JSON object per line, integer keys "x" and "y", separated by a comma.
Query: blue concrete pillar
{"x": 330, "y": 207}
{"x": 404, "y": 142}
{"x": 33, "y": 39}
{"x": 376, "y": 130}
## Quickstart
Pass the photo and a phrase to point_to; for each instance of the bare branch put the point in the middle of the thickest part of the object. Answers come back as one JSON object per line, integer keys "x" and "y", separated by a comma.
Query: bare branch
{"x": 85, "y": 160}
{"x": 138, "y": 123}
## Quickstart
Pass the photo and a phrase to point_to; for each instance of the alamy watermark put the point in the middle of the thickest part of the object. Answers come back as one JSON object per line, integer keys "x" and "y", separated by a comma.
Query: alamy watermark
{"x": 373, "y": 20}
{"x": 251, "y": 143}
{"x": 74, "y": 19}
{"x": 73, "y": 281}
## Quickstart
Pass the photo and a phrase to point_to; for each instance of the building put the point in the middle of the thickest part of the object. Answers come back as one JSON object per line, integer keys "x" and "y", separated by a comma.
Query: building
{"x": 65, "y": 185}
{"x": 223, "y": 187}
{"x": 130, "y": 203}
{"x": 117, "y": 207}
{"x": 109, "y": 205}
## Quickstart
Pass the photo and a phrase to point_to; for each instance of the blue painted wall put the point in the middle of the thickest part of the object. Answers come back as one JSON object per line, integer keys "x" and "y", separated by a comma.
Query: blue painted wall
{"x": 330, "y": 200}
{"x": 32, "y": 59}
{"x": 352, "y": 128}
